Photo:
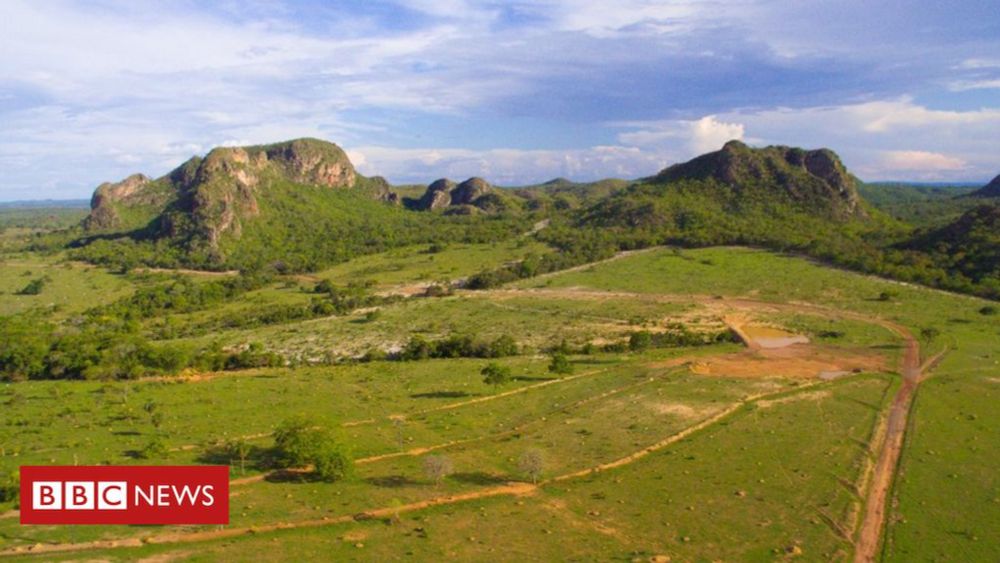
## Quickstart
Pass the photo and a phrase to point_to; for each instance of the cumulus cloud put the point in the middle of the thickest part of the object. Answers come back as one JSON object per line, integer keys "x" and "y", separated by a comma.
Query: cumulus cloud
{"x": 509, "y": 167}
{"x": 920, "y": 161}
{"x": 709, "y": 134}
{"x": 886, "y": 139}
{"x": 94, "y": 91}
{"x": 682, "y": 138}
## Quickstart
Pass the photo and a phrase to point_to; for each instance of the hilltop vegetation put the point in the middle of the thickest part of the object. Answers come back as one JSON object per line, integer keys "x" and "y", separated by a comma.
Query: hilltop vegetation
{"x": 920, "y": 206}
{"x": 299, "y": 206}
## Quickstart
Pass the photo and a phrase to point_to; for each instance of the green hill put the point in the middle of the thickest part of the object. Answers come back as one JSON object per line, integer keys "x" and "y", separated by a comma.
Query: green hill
{"x": 989, "y": 190}
{"x": 776, "y": 196}
{"x": 291, "y": 206}
{"x": 968, "y": 248}
{"x": 919, "y": 205}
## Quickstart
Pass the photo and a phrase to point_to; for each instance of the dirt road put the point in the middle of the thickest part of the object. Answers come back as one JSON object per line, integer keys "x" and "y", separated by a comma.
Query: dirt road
{"x": 874, "y": 514}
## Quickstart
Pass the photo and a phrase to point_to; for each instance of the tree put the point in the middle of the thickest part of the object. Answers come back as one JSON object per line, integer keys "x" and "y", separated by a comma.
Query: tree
{"x": 295, "y": 442}
{"x": 156, "y": 448}
{"x": 331, "y": 460}
{"x": 240, "y": 449}
{"x": 299, "y": 442}
{"x": 929, "y": 333}
{"x": 34, "y": 287}
{"x": 495, "y": 374}
{"x": 532, "y": 464}
{"x": 560, "y": 364}
{"x": 10, "y": 485}
{"x": 502, "y": 347}
{"x": 417, "y": 349}
{"x": 639, "y": 341}
{"x": 437, "y": 467}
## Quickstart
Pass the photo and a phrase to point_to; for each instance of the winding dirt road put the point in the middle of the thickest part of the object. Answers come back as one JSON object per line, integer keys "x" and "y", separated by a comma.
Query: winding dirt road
{"x": 869, "y": 534}
{"x": 869, "y": 537}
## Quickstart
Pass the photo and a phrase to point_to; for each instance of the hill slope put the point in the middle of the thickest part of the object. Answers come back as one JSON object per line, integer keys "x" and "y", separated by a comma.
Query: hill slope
{"x": 989, "y": 190}
{"x": 294, "y": 205}
{"x": 780, "y": 196}
{"x": 967, "y": 247}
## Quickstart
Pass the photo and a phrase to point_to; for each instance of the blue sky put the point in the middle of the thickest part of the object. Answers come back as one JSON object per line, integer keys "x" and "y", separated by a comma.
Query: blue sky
{"x": 517, "y": 92}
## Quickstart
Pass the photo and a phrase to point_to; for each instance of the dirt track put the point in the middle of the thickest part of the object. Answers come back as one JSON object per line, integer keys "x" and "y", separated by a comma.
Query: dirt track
{"x": 507, "y": 489}
{"x": 869, "y": 537}
{"x": 870, "y": 533}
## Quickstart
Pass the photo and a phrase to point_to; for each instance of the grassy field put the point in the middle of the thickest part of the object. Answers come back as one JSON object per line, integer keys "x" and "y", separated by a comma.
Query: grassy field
{"x": 69, "y": 287}
{"x": 646, "y": 453}
{"x": 430, "y": 264}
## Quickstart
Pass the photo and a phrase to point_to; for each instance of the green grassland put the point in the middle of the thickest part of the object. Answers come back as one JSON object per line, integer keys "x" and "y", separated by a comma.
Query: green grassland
{"x": 39, "y": 218}
{"x": 430, "y": 263}
{"x": 721, "y": 468}
{"x": 534, "y": 324}
{"x": 69, "y": 287}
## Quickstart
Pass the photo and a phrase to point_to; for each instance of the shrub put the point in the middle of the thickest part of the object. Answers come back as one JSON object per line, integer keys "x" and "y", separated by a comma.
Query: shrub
{"x": 10, "y": 486}
{"x": 437, "y": 467}
{"x": 298, "y": 442}
{"x": 560, "y": 364}
{"x": 532, "y": 464}
{"x": 155, "y": 448}
{"x": 331, "y": 460}
{"x": 503, "y": 346}
{"x": 639, "y": 341}
{"x": 495, "y": 374}
{"x": 34, "y": 287}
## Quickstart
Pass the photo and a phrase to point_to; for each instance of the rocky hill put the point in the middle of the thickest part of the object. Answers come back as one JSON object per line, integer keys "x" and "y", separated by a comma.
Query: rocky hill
{"x": 772, "y": 196}
{"x": 813, "y": 179}
{"x": 472, "y": 195}
{"x": 216, "y": 194}
{"x": 244, "y": 201}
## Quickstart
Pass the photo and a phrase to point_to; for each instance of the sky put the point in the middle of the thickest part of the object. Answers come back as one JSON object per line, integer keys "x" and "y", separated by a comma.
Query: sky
{"x": 516, "y": 92}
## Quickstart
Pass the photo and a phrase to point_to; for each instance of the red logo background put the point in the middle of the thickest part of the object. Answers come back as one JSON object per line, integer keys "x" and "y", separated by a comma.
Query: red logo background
{"x": 189, "y": 510}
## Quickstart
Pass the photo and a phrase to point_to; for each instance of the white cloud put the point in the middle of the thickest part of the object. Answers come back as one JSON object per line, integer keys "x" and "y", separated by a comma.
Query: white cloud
{"x": 978, "y": 63}
{"x": 888, "y": 139}
{"x": 682, "y": 138}
{"x": 920, "y": 161}
{"x": 510, "y": 167}
{"x": 709, "y": 134}
{"x": 966, "y": 85}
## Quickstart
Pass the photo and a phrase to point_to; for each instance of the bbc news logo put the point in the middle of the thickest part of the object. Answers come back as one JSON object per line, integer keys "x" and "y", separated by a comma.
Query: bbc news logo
{"x": 125, "y": 494}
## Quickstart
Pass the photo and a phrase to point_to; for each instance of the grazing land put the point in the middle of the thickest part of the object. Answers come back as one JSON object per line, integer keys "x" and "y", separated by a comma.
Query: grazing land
{"x": 763, "y": 449}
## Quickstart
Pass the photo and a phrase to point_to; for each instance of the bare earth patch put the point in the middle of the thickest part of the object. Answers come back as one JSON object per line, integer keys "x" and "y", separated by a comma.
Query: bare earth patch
{"x": 798, "y": 361}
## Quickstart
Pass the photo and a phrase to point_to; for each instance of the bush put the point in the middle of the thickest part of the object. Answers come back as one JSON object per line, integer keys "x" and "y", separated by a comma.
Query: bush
{"x": 502, "y": 347}
{"x": 988, "y": 310}
{"x": 532, "y": 464}
{"x": 560, "y": 364}
{"x": 495, "y": 374}
{"x": 34, "y": 287}
{"x": 331, "y": 460}
{"x": 639, "y": 341}
{"x": 155, "y": 448}
{"x": 437, "y": 467}
{"x": 10, "y": 486}
{"x": 298, "y": 442}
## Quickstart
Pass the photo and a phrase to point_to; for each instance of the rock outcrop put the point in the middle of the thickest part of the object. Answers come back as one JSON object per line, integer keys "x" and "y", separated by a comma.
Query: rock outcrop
{"x": 813, "y": 178}
{"x": 219, "y": 191}
{"x": 444, "y": 194}
{"x": 107, "y": 197}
